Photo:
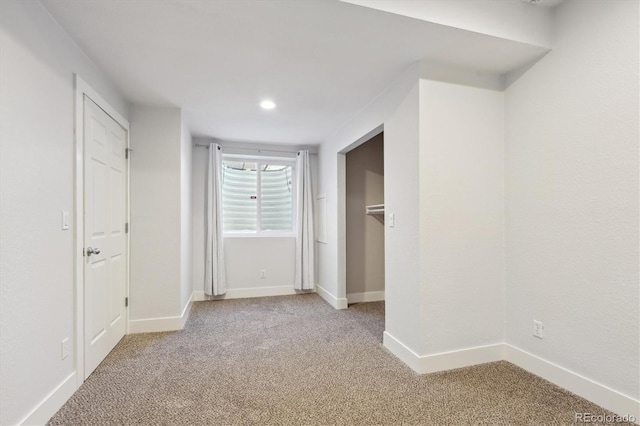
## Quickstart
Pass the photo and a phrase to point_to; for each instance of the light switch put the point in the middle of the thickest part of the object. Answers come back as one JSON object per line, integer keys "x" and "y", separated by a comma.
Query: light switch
{"x": 64, "y": 347}
{"x": 392, "y": 220}
{"x": 65, "y": 220}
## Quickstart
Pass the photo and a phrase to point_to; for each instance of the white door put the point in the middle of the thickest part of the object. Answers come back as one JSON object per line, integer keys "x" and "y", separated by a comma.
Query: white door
{"x": 105, "y": 242}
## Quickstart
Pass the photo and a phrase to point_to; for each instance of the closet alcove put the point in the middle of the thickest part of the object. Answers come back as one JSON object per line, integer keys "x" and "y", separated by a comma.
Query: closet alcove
{"x": 365, "y": 221}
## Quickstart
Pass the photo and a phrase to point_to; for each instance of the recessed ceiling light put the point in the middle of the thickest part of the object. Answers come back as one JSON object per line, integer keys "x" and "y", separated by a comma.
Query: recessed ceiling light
{"x": 267, "y": 104}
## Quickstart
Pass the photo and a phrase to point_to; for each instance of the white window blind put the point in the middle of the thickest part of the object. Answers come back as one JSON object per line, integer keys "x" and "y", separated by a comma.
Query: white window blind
{"x": 257, "y": 196}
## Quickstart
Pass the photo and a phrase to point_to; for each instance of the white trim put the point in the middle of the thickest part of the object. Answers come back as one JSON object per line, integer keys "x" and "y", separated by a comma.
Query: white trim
{"x": 463, "y": 358}
{"x": 52, "y": 402}
{"x": 170, "y": 323}
{"x": 341, "y": 246}
{"x": 337, "y": 303}
{"x": 403, "y": 352}
{"x": 593, "y": 391}
{"x": 239, "y": 293}
{"x": 261, "y": 161}
{"x": 261, "y": 234}
{"x": 369, "y": 296}
{"x": 423, "y": 364}
{"x": 243, "y": 293}
{"x": 341, "y": 205}
{"x": 279, "y": 161}
{"x": 582, "y": 386}
{"x": 82, "y": 89}
{"x": 198, "y": 296}
{"x": 154, "y": 325}
{"x": 186, "y": 311}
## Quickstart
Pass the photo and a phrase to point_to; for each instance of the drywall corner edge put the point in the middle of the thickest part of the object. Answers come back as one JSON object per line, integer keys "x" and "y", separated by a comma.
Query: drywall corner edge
{"x": 337, "y": 303}
{"x": 423, "y": 364}
{"x": 154, "y": 325}
{"x": 186, "y": 311}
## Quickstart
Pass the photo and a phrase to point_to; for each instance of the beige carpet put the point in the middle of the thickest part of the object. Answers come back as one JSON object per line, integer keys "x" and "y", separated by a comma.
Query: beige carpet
{"x": 294, "y": 360}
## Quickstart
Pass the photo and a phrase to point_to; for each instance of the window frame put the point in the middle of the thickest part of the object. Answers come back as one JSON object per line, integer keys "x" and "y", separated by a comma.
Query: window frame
{"x": 261, "y": 161}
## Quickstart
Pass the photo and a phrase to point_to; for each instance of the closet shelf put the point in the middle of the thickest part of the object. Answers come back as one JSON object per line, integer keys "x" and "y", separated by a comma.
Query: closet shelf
{"x": 374, "y": 209}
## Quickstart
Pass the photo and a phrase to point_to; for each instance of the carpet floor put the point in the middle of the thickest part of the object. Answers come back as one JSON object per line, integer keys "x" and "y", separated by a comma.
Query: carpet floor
{"x": 294, "y": 360}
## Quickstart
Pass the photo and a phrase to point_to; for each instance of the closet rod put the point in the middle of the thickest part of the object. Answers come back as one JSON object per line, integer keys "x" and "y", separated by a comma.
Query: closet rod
{"x": 254, "y": 149}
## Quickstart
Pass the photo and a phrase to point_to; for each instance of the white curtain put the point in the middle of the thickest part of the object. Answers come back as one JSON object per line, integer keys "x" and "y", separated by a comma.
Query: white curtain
{"x": 305, "y": 243}
{"x": 215, "y": 282}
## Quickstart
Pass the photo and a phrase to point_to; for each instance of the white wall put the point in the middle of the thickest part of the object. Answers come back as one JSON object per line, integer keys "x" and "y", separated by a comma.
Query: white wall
{"x": 186, "y": 216}
{"x": 156, "y": 201}
{"x": 444, "y": 183}
{"x": 245, "y": 257}
{"x": 444, "y": 180}
{"x": 402, "y": 199}
{"x": 559, "y": 244}
{"x": 461, "y": 217}
{"x": 572, "y": 131}
{"x": 332, "y": 271}
{"x": 37, "y": 160}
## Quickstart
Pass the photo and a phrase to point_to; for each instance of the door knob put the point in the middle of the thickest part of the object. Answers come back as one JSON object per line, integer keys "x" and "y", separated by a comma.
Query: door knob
{"x": 91, "y": 251}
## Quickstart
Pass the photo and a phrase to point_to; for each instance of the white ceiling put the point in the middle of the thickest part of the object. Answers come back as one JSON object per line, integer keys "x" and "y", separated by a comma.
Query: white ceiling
{"x": 321, "y": 61}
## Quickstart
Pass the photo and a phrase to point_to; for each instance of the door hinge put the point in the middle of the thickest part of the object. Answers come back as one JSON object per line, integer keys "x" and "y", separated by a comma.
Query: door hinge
{"x": 83, "y": 252}
{"x": 126, "y": 302}
{"x": 126, "y": 228}
{"x": 126, "y": 152}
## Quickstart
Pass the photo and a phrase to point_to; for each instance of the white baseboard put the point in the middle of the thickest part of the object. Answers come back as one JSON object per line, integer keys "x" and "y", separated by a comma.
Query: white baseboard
{"x": 52, "y": 402}
{"x": 595, "y": 392}
{"x": 243, "y": 293}
{"x": 177, "y": 323}
{"x": 369, "y": 296}
{"x": 423, "y": 364}
{"x": 198, "y": 296}
{"x": 337, "y": 303}
{"x": 186, "y": 311}
{"x": 401, "y": 351}
{"x": 153, "y": 325}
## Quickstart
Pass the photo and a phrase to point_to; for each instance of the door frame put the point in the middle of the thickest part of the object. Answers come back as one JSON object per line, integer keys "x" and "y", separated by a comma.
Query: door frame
{"x": 82, "y": 89}
{"x": 341, "y": 293}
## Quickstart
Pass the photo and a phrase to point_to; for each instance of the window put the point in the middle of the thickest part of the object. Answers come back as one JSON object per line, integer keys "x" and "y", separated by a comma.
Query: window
{"x": 257, "y": 195}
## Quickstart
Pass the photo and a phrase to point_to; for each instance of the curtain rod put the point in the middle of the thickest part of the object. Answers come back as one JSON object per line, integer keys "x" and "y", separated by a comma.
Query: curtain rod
{"x": 253, "y": 149}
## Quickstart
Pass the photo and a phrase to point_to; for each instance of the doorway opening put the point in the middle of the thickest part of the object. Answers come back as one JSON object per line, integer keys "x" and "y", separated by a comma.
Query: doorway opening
{"x": 364, "y": 220}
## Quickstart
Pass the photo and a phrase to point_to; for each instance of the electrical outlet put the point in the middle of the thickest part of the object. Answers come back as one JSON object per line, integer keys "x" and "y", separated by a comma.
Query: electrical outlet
{"x": 65, "y": 350}
{"x": 538, "y": 330}
{"x": 263, "y": 273}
